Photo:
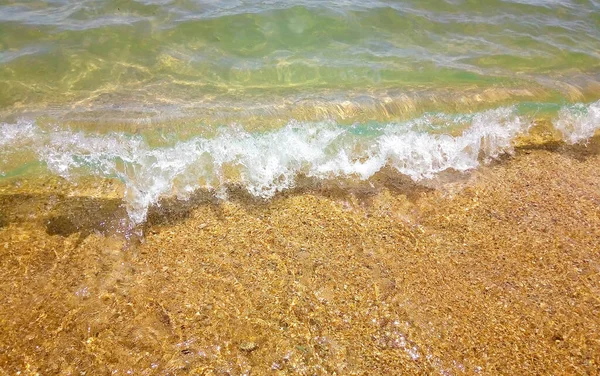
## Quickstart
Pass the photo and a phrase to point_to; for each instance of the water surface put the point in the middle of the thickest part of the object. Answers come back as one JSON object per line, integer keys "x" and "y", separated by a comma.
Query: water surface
{"x": 271, "y": 89}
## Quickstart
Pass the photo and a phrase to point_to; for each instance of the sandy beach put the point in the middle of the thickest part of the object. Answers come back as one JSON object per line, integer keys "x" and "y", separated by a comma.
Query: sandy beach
{"x": 492, "y": 272}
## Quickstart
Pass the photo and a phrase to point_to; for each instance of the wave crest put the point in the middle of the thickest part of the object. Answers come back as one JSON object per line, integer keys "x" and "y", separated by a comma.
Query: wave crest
{"x": 269, "y": 162}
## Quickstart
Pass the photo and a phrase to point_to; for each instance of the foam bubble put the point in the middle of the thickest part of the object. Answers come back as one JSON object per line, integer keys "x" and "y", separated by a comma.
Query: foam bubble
{"x": 14, "y": 134}
{"x": 268, "y": 162}
{"x": 578, "y": 122}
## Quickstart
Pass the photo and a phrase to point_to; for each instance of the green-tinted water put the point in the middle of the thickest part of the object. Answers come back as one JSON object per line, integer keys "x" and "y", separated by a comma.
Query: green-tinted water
{"x": 172, "y": 96}
{"x": 113, "y": 60}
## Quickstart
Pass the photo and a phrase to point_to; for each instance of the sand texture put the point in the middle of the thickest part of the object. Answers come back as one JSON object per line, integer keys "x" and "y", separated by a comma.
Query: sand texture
{"x": 496, "y": 272}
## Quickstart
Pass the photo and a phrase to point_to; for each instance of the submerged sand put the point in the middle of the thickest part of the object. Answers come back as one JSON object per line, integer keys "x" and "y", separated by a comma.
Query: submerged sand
{"x": 496, "y": 272}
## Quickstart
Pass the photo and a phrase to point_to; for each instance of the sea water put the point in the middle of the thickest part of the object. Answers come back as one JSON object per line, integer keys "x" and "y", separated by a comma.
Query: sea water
{"x": 174, "y": 96}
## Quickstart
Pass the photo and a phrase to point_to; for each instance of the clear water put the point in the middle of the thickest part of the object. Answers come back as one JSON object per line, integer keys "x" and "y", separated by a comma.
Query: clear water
{"x": 172, "y": 96}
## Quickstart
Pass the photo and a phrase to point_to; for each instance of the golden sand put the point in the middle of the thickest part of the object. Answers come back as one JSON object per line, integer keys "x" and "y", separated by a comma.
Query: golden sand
{"x": 497, "y": 272}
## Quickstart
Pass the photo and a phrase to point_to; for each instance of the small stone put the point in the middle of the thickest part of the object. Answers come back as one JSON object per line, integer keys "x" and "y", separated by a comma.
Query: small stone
{"x": 248, "y": 346}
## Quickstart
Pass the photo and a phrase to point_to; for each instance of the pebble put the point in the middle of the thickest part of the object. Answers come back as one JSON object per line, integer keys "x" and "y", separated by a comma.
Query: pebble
{"x": 248, "y": 346}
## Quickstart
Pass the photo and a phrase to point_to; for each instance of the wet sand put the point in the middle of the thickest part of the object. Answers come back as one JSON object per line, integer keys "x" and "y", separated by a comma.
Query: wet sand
{"x": 495, "y": 272}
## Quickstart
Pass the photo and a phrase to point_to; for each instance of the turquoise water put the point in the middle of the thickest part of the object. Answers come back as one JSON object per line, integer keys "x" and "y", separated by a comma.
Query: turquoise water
{"x": 169, "y": 95}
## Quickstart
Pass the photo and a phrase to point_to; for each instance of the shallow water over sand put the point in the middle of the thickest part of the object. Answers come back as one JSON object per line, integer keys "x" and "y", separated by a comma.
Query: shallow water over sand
{"x": 265, "y": 163}
{"x": 146, "y": 60}
{"x": 494, "y": 273}
{"x": 170, "y": 97}
{"x": 238, "y": 187}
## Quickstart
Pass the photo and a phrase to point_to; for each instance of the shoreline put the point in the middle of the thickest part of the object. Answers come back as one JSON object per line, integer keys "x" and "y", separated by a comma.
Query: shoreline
{"x": 494, "y": 272}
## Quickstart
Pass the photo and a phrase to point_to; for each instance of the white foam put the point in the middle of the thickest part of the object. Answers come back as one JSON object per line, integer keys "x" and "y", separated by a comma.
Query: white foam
{"x": 579, "y": 122}
{"x": 269, "y": 162}
{"x": 14, "y": 134}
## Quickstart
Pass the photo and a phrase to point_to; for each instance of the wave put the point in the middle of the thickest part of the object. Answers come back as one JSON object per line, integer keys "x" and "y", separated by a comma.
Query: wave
{"x": 159, "y": 53}
{"x": 265, "y": 163}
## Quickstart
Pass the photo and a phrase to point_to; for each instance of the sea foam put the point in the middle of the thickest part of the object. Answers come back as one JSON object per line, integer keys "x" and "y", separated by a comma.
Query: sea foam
{"x": 265, "y": 163}
{"x": 578, "y": 122}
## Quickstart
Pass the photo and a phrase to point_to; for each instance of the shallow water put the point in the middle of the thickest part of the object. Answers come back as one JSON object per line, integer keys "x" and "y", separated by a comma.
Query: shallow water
{"x": 494, "y": 275}
{"x": 268, "y": 162}
{"x": 162, "y": 58}
{"x": 174, "y": 96}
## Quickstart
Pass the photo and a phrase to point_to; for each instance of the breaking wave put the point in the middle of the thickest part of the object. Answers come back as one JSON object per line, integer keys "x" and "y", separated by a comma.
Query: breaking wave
{"x": 265, "y": 163}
